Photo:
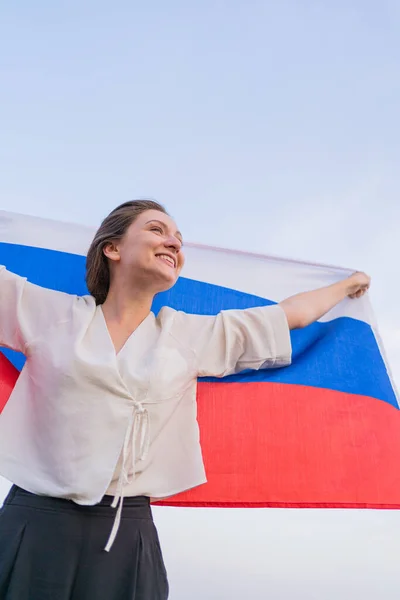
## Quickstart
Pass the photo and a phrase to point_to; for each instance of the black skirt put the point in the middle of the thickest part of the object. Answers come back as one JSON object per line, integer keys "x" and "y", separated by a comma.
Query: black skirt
{"x": 53, "y": 549}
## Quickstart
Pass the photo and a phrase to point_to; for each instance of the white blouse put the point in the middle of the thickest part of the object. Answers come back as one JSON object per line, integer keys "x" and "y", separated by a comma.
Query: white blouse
{"x": 83, "y": 421}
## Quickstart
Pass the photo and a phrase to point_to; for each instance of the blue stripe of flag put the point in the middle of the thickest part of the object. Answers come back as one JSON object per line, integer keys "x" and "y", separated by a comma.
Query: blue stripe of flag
{"x": 340, "y": 355}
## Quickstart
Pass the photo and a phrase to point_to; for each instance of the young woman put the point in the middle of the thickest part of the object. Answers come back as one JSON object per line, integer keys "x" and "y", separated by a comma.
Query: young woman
{"x": 103, "y": 415}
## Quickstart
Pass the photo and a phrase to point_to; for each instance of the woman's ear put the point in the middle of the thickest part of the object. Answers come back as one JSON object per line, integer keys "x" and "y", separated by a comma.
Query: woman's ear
{"x": 111, "y": 251}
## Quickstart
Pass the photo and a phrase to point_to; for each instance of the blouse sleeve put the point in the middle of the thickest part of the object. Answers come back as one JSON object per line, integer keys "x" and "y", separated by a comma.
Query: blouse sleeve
{"x": 27, "y": 309}
{"x": 236, "y": 340}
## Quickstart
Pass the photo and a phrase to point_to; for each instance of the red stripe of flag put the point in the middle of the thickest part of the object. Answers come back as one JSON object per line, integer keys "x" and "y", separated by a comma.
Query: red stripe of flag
{"x": 282, "y": 445}
{"x": 8, "y": 377}
{"x": 271, "y": 444}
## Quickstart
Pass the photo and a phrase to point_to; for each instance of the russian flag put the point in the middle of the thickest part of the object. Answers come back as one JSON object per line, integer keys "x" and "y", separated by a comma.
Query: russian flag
{"x": 321, "y": 433}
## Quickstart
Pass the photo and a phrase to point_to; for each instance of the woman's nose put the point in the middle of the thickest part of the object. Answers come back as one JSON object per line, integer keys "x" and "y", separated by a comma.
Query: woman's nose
{"x": 173, "y": 242}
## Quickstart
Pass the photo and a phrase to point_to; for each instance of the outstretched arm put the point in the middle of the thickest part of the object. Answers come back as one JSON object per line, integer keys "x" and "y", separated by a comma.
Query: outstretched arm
{"x": 26, "y": 310}
{"x": 303, "y": 309}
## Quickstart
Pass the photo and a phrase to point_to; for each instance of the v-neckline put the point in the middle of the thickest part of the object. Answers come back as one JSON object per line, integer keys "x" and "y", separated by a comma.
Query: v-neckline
{"x": 128, "y": 339}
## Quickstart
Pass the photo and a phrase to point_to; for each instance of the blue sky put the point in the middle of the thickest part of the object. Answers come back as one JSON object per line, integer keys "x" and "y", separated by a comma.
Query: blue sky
{"x": 265, "y": 126}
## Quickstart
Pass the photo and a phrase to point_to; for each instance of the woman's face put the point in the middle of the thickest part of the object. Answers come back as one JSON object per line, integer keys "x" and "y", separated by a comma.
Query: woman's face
{"x": 150, "y": 253}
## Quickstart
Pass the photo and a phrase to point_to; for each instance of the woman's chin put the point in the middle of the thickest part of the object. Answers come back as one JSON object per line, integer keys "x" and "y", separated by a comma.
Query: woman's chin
{"x": 166, "y": 283}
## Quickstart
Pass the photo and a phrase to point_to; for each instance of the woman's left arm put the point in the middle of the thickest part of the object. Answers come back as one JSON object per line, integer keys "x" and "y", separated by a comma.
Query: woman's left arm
{"x": 303, "y": 309}
{"x": 256, "y": 338}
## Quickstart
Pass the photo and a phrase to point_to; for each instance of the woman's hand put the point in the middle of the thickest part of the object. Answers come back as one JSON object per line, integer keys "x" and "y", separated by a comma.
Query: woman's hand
{"x": 357, "y": 284}
{"x": 305, "y": 308}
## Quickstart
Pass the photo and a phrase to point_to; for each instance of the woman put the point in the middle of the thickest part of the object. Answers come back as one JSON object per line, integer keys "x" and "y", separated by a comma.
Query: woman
{"x": 103, "y": 416}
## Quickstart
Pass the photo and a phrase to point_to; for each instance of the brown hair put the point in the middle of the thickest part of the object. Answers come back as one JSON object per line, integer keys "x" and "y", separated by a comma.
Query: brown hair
{"x": 113, "y": 228}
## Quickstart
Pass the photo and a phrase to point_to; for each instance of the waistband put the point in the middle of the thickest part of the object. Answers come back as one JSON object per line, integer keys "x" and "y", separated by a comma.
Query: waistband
{"x": 135, "y": 507}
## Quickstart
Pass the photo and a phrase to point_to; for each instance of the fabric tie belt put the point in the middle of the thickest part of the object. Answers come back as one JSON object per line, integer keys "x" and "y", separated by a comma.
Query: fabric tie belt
{"x": 137, "y": 433}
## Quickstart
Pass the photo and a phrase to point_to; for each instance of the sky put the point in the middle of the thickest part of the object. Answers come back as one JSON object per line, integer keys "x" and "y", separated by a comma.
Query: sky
{"x": 264, "y": 126}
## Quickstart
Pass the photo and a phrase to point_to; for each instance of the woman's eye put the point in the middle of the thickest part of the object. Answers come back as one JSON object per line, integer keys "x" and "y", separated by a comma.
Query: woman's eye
{"x": 157, "y": 229}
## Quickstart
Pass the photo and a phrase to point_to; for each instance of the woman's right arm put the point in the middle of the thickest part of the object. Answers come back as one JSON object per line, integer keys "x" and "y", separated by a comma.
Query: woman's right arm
{"x": 27, "y": 309}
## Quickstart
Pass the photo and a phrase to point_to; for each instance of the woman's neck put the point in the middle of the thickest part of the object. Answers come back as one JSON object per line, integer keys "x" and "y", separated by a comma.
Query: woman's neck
{"x": 127, "y": 307}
